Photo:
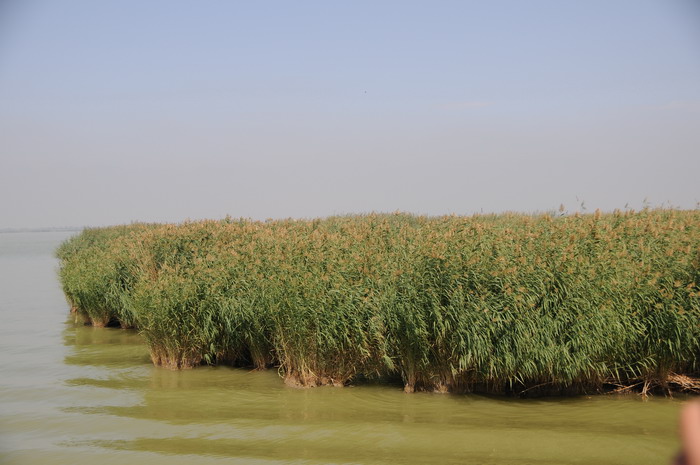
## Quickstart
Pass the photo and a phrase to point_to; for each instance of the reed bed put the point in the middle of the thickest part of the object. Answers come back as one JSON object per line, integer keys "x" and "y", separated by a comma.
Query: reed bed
{"x": 497, "y": 303}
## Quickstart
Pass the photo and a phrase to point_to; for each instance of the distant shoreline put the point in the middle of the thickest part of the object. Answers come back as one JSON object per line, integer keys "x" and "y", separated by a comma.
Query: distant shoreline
{"x": 32, "y": 230}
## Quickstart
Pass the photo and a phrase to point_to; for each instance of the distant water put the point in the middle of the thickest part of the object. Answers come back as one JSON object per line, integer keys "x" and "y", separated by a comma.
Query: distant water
{"x": 71, "y": 394}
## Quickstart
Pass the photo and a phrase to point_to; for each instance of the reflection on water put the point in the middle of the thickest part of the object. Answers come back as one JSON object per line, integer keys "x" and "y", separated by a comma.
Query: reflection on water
{"x": 76, "y": 394}
{"x": 105, "y": 347}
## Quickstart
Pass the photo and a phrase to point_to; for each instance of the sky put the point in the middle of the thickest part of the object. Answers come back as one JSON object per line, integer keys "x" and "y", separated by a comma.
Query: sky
{"x": 162, "y": 111}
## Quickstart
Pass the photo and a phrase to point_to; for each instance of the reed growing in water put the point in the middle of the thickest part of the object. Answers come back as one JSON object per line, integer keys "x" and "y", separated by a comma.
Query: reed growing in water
{"x": 496, "y": 303}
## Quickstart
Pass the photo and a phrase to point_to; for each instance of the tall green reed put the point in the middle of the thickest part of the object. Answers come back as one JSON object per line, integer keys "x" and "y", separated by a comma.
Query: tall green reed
{"x": 498, "y": 303}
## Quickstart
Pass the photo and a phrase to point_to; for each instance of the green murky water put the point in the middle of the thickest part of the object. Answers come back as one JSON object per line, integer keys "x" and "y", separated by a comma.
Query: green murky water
{"x": 71, "y": 394}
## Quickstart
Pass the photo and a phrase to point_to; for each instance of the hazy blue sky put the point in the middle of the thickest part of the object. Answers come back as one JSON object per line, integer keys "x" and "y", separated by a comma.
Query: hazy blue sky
{"x": 119, "y": 111}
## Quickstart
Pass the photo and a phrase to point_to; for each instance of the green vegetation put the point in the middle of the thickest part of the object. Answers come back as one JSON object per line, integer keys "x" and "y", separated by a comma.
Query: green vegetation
{"x": 499, "y": 303}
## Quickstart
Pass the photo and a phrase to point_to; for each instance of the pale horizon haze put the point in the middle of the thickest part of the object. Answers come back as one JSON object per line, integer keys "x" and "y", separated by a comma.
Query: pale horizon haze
{"x": 119, "y": 111}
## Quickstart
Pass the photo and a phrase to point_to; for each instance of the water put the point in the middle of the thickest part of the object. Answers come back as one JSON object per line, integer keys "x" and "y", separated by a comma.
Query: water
{"x": 71, "y": 394}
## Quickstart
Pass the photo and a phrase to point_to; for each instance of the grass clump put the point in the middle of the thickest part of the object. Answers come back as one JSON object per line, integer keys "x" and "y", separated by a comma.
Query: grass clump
{"x": 497, "y": 303}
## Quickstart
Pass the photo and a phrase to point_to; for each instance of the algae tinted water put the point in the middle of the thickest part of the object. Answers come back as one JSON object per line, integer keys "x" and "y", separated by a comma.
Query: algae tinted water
{"x": 74, "y": 394}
